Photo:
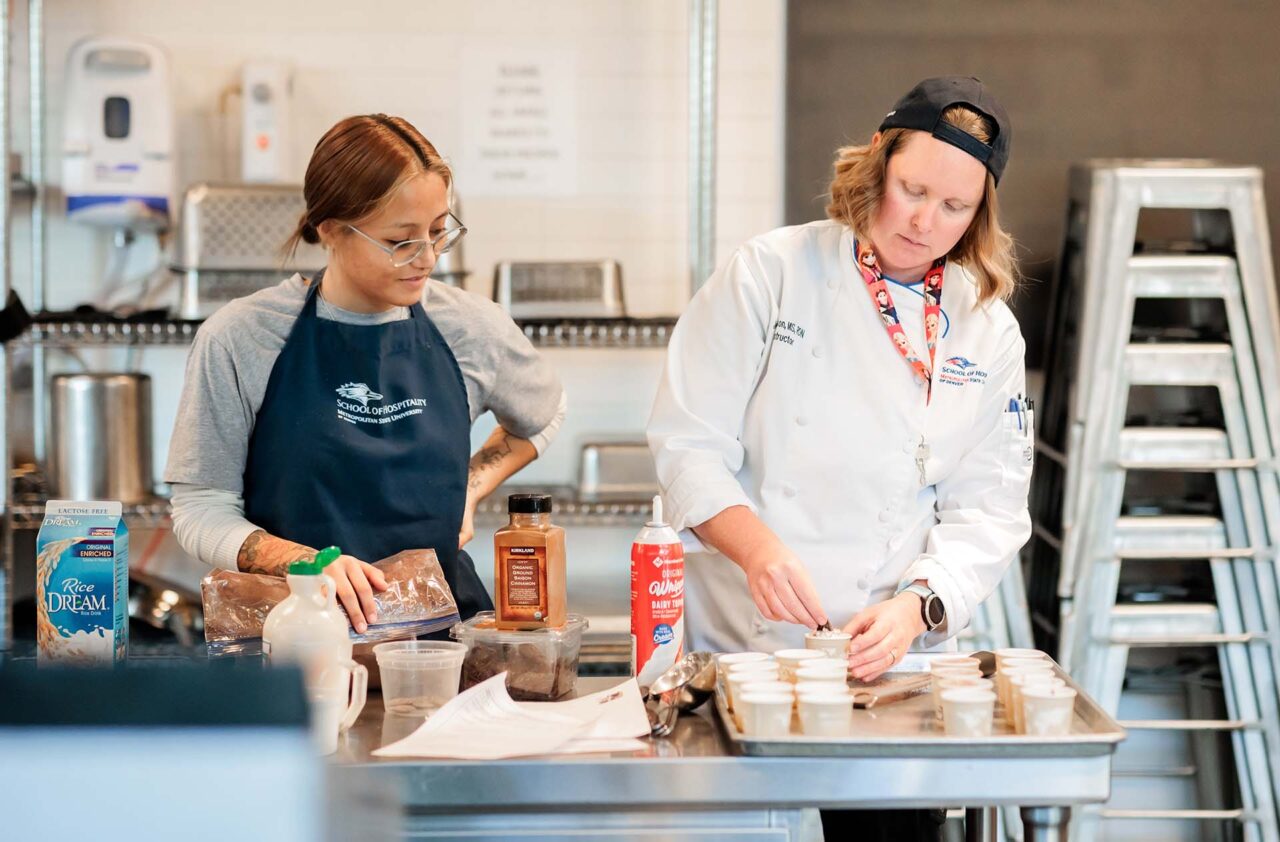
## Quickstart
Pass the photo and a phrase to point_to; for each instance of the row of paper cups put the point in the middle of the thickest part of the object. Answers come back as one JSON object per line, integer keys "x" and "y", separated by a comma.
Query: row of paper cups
{"x": 763, "y": 691}
{"x": 1035, "y": 700}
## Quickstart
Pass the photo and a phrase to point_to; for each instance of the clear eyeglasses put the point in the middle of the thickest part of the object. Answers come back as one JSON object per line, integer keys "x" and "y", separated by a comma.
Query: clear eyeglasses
{"x": 404, "y": 253}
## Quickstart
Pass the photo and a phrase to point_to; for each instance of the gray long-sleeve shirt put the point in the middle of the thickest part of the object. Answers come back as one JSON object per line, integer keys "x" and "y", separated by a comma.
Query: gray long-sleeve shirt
{"x": 231, "y": 362}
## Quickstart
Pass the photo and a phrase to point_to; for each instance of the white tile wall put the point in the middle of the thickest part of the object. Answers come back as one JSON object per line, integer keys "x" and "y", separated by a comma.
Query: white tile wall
{"x": 404, "y": 57}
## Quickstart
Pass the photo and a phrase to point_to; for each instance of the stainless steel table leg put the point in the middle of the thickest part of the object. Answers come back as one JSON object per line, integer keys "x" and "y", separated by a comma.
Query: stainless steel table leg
{"x": 980, "y": 824}
{"x": 1045, "y": 824}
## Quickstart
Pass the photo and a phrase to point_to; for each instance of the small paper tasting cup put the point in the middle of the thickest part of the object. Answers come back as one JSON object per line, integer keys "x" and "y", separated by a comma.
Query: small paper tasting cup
{"x": 1022, "y": 685}
{"x": 1048, "y": 710}
{"x": 965, "y": 661}
{"x": 790, "y": 659}
{"x": 758, "y": 684}
{"x": 1019, "y": 666}
{"x": 808, "y": 688}
{"x": 841, "y": 663}
{"x": 968, "y": 711}
{"x": 728, "y": 659}
{"x": 1004, "y": 654}
{"x": 1019, "y": 681}
{"x": 827, "y": 670}
{"x": 826, "y": 714}
{"x": 833, "y": 644}
{"x": 948, "y": 682}
{"x": 753, "y": 668}
{"x": 765, "y": 714}
{"x": 742, "y": 673}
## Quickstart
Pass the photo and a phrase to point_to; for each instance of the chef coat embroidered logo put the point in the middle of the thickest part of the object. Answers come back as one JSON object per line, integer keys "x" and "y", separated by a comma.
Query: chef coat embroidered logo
{"x": 356, "y": 410}
{"x": 959, "y": 371}
{"x": 787, "y": 332}
{"x": 358, "y": 392}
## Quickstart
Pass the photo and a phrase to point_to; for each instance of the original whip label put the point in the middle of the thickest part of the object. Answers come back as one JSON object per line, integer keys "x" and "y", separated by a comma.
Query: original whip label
{"x": 657, "y": 607}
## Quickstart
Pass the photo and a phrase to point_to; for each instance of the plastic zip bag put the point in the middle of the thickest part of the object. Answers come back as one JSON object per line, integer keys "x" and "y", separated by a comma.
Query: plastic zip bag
{"x": 417, "y": 601}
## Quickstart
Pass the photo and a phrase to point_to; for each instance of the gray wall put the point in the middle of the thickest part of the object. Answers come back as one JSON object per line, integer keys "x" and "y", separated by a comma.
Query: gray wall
{"x": 1141, "y": 78}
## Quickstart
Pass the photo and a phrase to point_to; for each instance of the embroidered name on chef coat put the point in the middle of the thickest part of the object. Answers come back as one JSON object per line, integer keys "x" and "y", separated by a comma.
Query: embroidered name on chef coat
{"x": 787, "y": 332}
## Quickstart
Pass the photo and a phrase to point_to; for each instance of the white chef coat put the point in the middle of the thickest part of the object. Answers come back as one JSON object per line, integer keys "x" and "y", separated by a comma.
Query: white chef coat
{"x": 783, "y": 392}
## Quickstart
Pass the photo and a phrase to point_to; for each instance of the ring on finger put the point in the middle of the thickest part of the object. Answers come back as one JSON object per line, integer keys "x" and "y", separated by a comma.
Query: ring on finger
{"x": 893, "y": 657}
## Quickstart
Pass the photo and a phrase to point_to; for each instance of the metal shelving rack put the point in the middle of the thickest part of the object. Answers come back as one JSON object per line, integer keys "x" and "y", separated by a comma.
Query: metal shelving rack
{"x": 24, "y": 511}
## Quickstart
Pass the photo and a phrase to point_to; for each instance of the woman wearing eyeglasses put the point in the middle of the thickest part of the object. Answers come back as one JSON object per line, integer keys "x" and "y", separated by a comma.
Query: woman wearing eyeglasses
{"x": 338, "y": 409}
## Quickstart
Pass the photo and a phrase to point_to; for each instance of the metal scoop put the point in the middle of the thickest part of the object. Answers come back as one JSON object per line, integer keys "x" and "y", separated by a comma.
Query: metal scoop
{"x": 896, "y": 690}
{"x": 685, "y": 685}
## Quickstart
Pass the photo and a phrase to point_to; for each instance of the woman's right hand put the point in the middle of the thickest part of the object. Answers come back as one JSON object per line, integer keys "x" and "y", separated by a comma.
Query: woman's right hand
{"x": 781, "y": 587}
{"x": 356, "y": 582}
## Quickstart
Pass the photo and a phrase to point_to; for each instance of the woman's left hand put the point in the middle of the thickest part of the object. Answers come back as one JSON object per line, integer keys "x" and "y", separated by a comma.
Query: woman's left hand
{"x": 882, "y": 634}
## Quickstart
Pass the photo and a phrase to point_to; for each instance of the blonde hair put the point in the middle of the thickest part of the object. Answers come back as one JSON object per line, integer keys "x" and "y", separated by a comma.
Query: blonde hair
{"x": 357, "y": 167}
{"x": 986, "y": 249}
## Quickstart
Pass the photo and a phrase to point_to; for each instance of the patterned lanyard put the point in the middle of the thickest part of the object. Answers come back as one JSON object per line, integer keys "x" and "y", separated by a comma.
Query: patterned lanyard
{"x": 865, "y": 258}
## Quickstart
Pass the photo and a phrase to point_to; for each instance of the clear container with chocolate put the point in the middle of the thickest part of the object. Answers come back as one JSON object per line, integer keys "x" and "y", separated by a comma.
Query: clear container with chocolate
{"x": 529, "y": 566}
{"x": 541, "y": 665}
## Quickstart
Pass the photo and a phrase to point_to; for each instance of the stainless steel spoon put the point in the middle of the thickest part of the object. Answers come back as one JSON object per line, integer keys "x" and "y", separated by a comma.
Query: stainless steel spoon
{"x": 897, "y": 690}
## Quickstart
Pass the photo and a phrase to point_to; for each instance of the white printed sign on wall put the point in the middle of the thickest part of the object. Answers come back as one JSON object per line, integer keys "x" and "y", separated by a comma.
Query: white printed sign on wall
{"x": 519, "y": 123}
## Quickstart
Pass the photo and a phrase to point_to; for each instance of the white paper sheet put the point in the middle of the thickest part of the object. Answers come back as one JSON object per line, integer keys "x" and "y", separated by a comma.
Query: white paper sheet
{"x": 622, "y": 719}
{"x": 484, "y": 723}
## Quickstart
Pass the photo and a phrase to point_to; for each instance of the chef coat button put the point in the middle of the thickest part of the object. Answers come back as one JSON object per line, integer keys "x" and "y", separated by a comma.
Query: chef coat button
{"x": 908, "y": 447}
{"x": 863, "y": 584}
{"x": 788, "y": 490}
{"x": 885, "y": 515}
{"x": 817, "y": 352}
{"x": 919, "y": 380}
{"x": 832, "y": 284}
{"x": 760, "y": 627}
{"x": 801, "y": 420}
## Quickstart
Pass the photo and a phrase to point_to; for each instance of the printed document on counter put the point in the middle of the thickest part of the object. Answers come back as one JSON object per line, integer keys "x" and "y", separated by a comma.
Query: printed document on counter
{"x": 485, "y": 723}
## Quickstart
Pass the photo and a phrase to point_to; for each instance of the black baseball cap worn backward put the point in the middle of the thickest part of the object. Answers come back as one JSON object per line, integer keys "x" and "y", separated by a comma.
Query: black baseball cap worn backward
{"x": 923, "y": 106}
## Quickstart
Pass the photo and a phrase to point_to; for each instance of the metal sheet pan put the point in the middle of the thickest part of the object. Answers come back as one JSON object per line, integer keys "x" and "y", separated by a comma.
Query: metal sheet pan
{"x": 908, "y": 728}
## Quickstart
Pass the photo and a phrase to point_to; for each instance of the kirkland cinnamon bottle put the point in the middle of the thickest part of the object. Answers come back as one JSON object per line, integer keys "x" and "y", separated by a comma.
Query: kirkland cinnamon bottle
{"x": 529, "y": 566}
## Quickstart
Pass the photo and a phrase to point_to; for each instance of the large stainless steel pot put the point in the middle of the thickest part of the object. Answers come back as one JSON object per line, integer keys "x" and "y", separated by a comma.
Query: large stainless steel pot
{"x": 100, "y": 436}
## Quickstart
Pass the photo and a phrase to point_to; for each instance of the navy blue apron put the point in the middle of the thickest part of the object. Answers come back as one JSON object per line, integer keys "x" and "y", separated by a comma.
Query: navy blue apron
{"x": 363, "y": 441}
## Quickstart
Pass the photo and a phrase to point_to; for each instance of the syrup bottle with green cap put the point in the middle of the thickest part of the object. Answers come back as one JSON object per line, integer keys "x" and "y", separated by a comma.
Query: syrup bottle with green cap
{"x": 307, "y": 626}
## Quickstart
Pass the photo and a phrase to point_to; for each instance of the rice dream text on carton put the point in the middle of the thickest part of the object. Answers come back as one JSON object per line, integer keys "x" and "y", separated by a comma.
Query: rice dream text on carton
{"x": 82, "y": 583}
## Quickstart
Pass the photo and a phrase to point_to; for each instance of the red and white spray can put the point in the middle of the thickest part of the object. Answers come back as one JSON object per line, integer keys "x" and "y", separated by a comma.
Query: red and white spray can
{"x": 657, "y": 598}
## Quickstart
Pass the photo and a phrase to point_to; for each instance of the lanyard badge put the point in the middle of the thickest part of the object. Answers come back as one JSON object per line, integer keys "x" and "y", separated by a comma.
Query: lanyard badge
{"x": 878, "y": 288}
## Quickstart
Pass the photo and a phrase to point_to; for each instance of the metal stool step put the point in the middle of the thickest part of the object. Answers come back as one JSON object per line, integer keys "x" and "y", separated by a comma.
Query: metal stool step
{"x": 1184, "y": 815}
{"x": 1197, "y": 624}
{"x": 1177, "y": 449}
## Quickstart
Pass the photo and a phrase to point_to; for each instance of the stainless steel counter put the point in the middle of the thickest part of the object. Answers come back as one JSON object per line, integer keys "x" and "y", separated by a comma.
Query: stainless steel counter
{"x": 696, "y": 769}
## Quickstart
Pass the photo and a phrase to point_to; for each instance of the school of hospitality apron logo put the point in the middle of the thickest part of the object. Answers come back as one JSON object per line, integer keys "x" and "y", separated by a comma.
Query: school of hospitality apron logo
{"x": 358, "y": 392}
{"x": 958, "y": 370}
{"x": 354, "y": 400}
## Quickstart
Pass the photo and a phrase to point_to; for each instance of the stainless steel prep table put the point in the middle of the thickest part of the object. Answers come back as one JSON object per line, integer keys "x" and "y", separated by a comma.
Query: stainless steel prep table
{"x": 697, "y": 773}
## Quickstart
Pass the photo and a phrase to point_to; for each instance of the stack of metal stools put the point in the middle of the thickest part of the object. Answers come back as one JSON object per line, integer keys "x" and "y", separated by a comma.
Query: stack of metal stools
{"x": 1087, "y": 528}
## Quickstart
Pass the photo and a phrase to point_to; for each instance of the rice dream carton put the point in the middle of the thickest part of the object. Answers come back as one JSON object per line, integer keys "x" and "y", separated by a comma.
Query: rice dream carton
{"x": 82, "y": 583}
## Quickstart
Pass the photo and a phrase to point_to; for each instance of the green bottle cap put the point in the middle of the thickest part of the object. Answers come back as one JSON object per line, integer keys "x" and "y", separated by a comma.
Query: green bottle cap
{"x": 315, "y": 566}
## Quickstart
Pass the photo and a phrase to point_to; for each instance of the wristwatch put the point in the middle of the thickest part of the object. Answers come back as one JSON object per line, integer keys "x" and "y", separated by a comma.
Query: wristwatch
{"x": 932, "y": 610}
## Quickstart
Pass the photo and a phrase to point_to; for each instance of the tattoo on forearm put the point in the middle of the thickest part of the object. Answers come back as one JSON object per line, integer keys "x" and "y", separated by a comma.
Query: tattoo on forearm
{"x": 263, "y": 553}
{"x": 485, "y": 458}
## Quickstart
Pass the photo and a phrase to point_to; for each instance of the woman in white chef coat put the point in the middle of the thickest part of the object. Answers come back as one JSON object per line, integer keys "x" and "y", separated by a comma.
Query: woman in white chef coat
{"x": 832, "y": 429}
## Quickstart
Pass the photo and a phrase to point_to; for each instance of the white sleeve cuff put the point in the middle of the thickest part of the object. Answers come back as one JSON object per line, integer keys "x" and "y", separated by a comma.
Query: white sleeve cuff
{"x": 542, "y": 439}
{"x": 209, "y": 524}
{"x": 949, "y": 590}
